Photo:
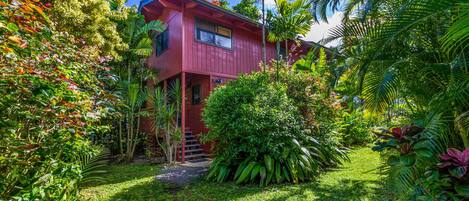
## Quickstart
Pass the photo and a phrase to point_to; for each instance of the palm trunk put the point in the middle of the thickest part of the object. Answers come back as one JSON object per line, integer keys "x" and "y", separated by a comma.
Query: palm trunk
{"x": 120, "y": 138}
{"x": 286, "y": 51}
{"x": 136, "y": 137}
{"x": 264, "y": 57}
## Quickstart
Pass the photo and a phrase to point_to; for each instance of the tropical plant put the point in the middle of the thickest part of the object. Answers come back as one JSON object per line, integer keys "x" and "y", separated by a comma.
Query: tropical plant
{"x": 93, "y": 22}
{"x": 288, "y": 21}
{"x": 401, "y": 52}
{"x": 354, "y": 127}
{"x": 52, "y": 99}
{"x": 165, "y": 118}
{"x": 264, "y": 131}
{"x": 131, "y": 74}
{"x": 248, "y": 8}
{"x": 92, "y": 166}
{"x": 456, "y": 162}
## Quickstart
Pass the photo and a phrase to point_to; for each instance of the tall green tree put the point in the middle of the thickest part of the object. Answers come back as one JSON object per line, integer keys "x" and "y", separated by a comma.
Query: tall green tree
{"x": 248, "y": 8}
{"x": 288, "y": 21}
{"x": 136, "y": 34}
{"x": 94, "y": 22}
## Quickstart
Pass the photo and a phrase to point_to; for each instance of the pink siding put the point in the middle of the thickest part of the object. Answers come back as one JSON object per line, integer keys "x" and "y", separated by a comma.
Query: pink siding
{"x": 169, "y": 63}
{"x": 243, "y": 57}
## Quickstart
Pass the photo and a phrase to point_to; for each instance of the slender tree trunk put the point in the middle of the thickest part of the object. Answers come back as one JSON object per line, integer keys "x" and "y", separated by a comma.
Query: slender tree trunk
{"x": 168, "y": 144}
{"x": 120, "y": 138}
{"x": 264, "y": 57}
{"x": 286, "y": 51}
{"x": 136, "y": 140}
{"x": 277, "y": 44}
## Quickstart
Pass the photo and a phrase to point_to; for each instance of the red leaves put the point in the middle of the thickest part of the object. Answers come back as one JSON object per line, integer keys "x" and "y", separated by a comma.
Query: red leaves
{"x": 400, "y": 133}
{"x": 455, "y": 159}
{"x": 397, "y": 133}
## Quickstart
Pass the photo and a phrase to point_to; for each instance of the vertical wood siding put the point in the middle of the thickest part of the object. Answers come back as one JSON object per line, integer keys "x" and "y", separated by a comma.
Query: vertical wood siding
{"x": 243, "y": 57}
{"x": 169, "y": 63}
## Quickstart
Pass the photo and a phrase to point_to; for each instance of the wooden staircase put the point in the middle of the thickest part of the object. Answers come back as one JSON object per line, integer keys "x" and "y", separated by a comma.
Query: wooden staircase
{"x": 193, "y": 149}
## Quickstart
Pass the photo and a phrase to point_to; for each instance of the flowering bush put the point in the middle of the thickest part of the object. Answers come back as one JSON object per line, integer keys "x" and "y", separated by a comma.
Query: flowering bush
{"x": 52, "y": 98}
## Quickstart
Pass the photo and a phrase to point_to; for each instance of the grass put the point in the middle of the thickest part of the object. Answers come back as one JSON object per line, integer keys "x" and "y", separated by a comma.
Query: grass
{"x": 358, "y": 180}
{"x": 127, "y": 182}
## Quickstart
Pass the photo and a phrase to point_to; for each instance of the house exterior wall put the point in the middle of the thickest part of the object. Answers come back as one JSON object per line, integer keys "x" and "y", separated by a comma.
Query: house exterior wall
{"x": 169, "y": 63}
{"x": 194, "y": 112}
{"x": 243, "y": 57}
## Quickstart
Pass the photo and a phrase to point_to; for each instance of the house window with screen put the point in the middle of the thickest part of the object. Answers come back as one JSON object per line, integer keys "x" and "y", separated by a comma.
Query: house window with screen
{"x": 161, "y": 42}
{"x": 196, "y": 95}
{"x": 213, "y": 34}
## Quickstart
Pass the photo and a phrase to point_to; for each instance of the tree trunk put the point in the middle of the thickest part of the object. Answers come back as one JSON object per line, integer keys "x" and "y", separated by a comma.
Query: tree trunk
{"x": 264, "y": 57}
{"x": 120, "y": 138}
{"x": 286, "y": 51}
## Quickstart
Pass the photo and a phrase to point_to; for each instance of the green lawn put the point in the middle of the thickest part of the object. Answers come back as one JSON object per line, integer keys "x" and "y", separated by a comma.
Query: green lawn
{"x": 357, "y": 180}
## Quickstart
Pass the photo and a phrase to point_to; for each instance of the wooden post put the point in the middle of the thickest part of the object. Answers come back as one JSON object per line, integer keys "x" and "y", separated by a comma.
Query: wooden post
{"x": 183, "y": 117}
{"x": 210, "y": 83}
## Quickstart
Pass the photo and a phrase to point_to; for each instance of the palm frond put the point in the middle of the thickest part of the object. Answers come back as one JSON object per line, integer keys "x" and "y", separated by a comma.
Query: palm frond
{"x": 381, "y": 90}
{"x": 144, "y": 48}
{"x": 92, "y": 166}
{"x": 457, "y": 37}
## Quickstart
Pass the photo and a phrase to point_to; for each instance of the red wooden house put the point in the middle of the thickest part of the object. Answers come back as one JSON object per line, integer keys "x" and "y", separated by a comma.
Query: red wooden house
{"x": 203, "y": 46}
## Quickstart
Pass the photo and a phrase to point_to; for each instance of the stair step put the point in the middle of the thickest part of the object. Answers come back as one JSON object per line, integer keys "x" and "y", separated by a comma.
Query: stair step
{"x": 190, "y": 146}
{"x": 193, "y": 150}
{"x": 197, "y": 160}
{"x": 196, "y": 156}
{"x": 192, "y": 141}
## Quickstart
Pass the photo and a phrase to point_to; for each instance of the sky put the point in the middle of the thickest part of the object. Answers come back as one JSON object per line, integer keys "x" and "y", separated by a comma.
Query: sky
{"x": 318, "y": 30}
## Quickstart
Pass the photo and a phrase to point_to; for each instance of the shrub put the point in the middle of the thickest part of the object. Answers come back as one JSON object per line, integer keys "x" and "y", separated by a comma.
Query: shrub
{"x": 354, "y": 129}
{"x": 51, "y": 99}
{"x": 261, "y": 133}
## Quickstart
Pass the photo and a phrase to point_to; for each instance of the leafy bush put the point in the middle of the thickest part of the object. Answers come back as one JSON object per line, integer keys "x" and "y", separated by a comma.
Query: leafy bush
{"x": 354, "y": 129}
{"x": 261, "y": 131}
{"x": 52, "y": 98}
{"x": 411, "y": 149}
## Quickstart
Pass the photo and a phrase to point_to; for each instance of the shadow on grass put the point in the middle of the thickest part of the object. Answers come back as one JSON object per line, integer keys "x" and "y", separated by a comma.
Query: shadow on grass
{"x": 145, "y": 191}
{"x": 345, "y": 190}
{"x": 119, "y": 173}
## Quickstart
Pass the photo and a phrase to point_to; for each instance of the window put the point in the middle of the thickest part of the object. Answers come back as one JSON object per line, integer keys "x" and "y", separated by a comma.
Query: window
{"x": 161, "y": 42}
{"x": 196, "y": 95}
{"x": 213, "y": 34}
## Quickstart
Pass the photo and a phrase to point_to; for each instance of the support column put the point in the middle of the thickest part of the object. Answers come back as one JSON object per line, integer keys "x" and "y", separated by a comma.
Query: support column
{"x": 210, "y": 83}
{"x": 183, "y": 117}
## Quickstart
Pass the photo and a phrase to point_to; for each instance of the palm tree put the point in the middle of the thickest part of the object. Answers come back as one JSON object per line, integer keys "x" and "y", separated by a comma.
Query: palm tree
{"x": 264, "y": 56}
{"x": 412, "y": 51}
{"x": 289, "y": 20}
{"x": 132, "y": 73}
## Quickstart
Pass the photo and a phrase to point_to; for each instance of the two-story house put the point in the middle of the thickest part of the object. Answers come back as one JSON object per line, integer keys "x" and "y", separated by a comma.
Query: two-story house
{"x": 203, "y": 46}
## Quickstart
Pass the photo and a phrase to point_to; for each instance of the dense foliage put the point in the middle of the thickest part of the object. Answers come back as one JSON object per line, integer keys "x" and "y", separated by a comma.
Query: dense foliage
{"x": 265, "y": 130}
{"x": 93, "y": 21}
{"x": 66, "y": 74}
{"x": 412, "y": 54}
{"x": 52, "y": 98}
{"x": 248, "y": 8}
